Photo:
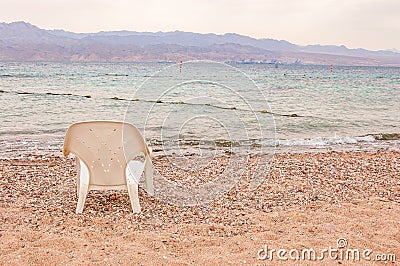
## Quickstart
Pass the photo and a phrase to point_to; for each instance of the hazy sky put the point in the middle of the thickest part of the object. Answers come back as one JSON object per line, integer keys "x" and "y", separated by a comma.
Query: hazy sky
{"x": 370, "y": 24}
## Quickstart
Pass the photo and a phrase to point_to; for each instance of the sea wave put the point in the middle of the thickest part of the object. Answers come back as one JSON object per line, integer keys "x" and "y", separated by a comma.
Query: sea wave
{"x": 323, "y": 141}
{"x": 29, "y": 132}
{"x": 317, "y": 141}
{"x": 15, "y": 146}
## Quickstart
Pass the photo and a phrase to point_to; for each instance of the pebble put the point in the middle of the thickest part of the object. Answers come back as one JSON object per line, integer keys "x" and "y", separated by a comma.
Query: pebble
{"x": 44, "y": 187}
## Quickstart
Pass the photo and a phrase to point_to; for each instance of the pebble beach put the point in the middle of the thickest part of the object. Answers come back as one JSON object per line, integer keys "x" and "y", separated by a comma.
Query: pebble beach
{"x": 265, "y": 151}
{"x": 307, "y": 200}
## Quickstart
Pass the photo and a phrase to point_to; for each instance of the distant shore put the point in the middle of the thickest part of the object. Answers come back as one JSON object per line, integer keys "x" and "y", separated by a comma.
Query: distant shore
{"x": 40, "y": 45}
{"x": 308, "y": 200}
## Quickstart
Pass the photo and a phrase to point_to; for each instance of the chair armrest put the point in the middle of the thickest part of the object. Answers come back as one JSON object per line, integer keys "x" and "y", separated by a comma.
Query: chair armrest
{"x": 134, "y": 171}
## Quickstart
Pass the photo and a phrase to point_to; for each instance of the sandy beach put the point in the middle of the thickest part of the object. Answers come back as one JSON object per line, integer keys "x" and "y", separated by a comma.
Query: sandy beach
{"x": 308, "y": 201}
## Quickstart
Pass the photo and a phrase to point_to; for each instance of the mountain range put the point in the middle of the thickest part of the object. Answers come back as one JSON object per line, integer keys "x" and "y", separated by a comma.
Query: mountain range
{"x": 21, "y": 41}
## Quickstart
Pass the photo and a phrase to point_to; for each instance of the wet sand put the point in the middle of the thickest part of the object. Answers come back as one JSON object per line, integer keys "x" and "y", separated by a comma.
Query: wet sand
{"x": 307, "y": 201}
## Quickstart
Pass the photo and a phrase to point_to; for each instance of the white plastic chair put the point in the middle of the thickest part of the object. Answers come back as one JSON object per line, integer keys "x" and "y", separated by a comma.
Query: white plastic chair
{"x": 105, "y": 151}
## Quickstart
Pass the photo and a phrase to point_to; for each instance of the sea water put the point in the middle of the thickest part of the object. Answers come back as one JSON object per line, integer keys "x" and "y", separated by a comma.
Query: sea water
{"x": 304, "y": 107}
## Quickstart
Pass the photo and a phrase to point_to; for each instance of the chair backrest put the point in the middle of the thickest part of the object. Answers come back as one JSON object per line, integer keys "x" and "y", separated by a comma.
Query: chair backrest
{"x": 105, "y": 147}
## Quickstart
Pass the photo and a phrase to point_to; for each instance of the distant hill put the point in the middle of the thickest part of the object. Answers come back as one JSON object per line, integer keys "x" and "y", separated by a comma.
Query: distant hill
{"x": 25, "y": 42}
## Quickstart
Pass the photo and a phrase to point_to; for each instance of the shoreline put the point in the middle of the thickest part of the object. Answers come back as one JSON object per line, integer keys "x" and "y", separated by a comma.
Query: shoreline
{"x": 51, "y": 145}
{"x": 309, "y": 200}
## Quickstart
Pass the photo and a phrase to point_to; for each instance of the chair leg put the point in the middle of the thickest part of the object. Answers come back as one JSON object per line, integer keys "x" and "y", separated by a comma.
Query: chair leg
{"x": 134, "y": 197}
{"x": 82, "y": 185}
{"x": 78, "y": 176}
{"x": 83, "y": 190}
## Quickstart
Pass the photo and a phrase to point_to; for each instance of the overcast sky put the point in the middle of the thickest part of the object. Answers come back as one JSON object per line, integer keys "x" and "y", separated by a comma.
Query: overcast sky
{"x": 370, "y": 24}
